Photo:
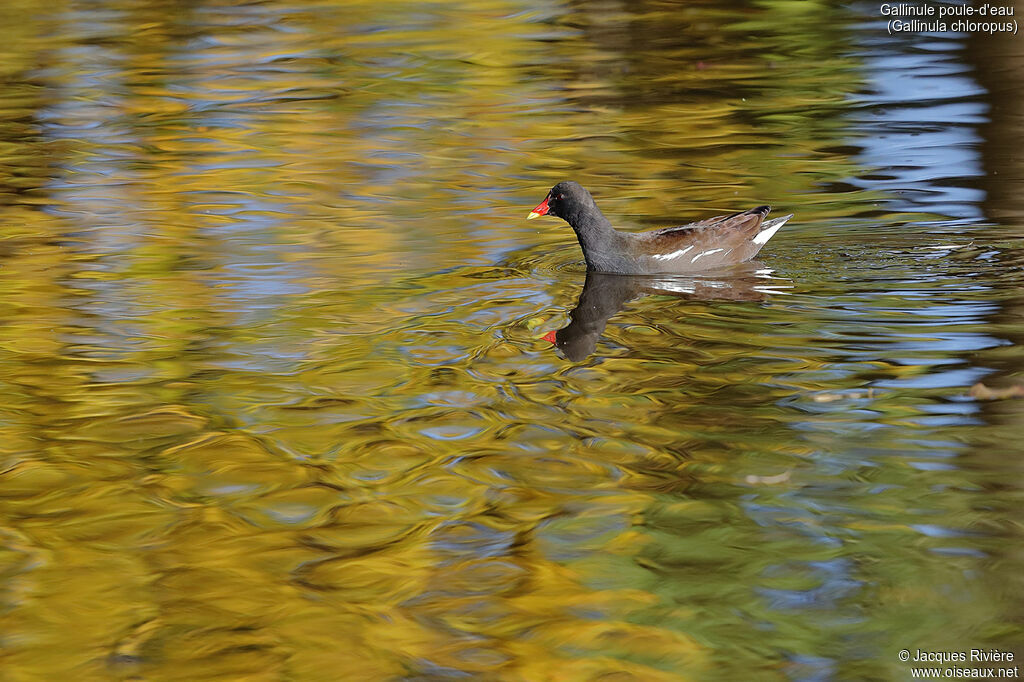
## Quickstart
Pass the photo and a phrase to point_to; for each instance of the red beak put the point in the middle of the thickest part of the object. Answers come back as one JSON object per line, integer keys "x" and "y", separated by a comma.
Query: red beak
{"x": 542, "y": 209}
{"x": 550, "y": 338}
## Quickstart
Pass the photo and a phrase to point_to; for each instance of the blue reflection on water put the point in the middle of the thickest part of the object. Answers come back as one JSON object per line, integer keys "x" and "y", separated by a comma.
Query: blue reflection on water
{"x": 918, "y": 122}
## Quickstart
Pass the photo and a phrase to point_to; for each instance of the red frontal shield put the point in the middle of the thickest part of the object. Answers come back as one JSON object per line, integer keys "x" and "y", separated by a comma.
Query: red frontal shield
{"x": 542, "y": 209}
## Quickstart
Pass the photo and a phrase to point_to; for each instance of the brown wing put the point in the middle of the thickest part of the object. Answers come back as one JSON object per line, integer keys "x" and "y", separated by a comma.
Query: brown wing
{"x": 730, "y": 228}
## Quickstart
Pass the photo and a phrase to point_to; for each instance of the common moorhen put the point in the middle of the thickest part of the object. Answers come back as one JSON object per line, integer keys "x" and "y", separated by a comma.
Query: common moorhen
{"x": 712, "y": 243}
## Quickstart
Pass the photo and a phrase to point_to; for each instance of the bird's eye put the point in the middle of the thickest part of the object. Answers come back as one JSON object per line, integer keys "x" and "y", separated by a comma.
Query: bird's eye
{"x": 560, "y": 197}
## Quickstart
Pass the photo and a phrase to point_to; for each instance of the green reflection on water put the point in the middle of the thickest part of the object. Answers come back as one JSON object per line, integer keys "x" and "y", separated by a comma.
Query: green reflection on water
{"x": 277, "y": 406}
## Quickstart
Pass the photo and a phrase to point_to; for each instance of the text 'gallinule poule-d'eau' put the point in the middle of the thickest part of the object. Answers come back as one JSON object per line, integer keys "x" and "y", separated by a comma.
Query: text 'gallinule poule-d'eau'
{"x": 713, "y": 243}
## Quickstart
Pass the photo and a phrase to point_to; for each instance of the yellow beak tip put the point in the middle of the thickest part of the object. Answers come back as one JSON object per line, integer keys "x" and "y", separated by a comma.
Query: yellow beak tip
{"x": 533, "y": 214}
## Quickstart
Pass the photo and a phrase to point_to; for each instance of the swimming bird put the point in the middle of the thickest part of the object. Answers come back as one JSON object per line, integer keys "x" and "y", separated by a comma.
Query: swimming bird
{"x": 712, "y": 243}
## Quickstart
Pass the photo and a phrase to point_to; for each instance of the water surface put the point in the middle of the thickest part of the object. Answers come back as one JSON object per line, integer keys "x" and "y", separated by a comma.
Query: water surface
{"x": 276, "y": 399}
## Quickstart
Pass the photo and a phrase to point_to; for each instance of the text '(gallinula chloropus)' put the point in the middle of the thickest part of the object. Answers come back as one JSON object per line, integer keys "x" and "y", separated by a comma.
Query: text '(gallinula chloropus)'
{"x": 713, "y": 243}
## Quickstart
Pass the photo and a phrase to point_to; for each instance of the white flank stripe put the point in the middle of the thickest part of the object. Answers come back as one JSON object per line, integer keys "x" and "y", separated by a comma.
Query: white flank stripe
{"x": 705, "y": 253}
{"x": 674, "y": 254}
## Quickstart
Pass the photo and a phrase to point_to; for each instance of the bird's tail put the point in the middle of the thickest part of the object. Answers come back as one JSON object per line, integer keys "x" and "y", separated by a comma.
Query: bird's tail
{"x": 769, "y": 228}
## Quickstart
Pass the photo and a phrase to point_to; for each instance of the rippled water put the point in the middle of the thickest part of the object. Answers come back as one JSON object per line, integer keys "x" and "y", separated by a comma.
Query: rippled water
{"x": 277, "y": 402}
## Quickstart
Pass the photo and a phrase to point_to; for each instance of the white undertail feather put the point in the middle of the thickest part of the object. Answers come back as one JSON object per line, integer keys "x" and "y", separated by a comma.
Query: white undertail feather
{"x": 770, "y": 228}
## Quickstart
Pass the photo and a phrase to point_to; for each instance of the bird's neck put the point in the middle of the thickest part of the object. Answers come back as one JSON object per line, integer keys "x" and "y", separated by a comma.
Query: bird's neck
{"x": 592, "y": 229}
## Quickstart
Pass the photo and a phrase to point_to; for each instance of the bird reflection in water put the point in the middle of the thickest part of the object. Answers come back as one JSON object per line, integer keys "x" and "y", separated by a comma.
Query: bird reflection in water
{"x": 605, "y": 294}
